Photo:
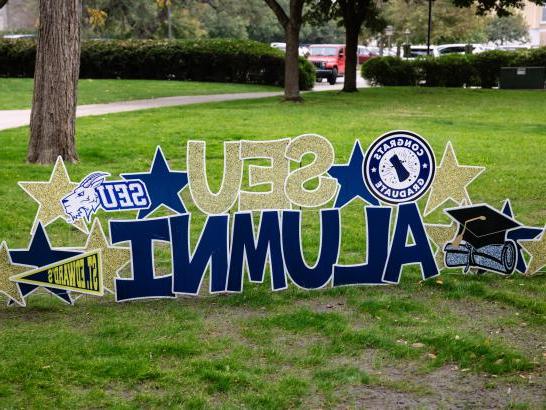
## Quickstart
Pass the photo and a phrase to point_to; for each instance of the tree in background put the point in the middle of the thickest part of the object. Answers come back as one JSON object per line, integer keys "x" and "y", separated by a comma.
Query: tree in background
{"x": 52, "y": 119}
{"x": 451, "y": 24}
{"x": 508, "y": 28}
{"x": 291, "y": 21}
{"x": 354, "y": 15}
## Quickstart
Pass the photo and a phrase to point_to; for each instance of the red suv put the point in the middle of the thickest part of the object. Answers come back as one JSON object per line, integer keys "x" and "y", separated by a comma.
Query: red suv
{"x": 329, "y": 61}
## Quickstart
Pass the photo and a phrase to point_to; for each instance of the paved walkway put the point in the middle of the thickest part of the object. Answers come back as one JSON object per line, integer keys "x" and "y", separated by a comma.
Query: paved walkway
{"x": 19, "y": 118}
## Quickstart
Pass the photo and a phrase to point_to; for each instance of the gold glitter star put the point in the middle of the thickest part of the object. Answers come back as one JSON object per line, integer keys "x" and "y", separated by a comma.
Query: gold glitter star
{"x": 440, "y": 235}
{"x": 113, "y": 257}
{"x": 451, "y": 181}
{"x": 537, "y": 249}
{"x": 49, "y": 195}
{"x": 8, "y": 269}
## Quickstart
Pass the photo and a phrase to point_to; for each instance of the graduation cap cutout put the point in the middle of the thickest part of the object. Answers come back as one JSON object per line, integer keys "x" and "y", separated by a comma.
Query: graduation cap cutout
{"x": 483, "y": 230}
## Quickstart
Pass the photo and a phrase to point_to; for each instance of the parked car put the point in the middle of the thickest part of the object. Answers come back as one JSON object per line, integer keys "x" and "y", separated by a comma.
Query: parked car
{"x": 421, "y": 51}
{"x": 364, "y": 54}
{"x": 302, "y": 51}
{"x": 18, "y": 36}
{"x": 444, "y": 49}
{"x": 512, "y": 47}
{"x": 329, "y": 61}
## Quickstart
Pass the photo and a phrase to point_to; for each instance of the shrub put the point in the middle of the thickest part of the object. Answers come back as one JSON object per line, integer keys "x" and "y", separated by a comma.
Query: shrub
{"x": 451, "y": 70}
{"x": 447, "y": 71}
{"x": 489, "y": 63}
{"x": 389, "y": 71}
{"x": 219, "y": 60}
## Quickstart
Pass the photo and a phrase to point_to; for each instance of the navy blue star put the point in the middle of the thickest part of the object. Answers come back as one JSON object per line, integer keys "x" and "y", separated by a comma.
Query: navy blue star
{"x": 351, "y": 179}
{"x": 521, "y": 233}
{"x": 163, "y": 185}
{"x": 38, "y": 254}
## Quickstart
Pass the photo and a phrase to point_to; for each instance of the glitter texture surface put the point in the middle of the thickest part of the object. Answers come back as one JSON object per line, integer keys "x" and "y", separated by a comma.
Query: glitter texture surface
{"x": 323, "y": 152}
{"x": 451, "y": 181}
{"x": 49, "y": 195}
{"x": 8, "y": 269}
{"x": 225, "y": 198}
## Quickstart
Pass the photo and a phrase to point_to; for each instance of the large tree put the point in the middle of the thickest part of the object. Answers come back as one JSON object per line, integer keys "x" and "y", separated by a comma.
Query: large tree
{"x": 291, "y": 21}
{"x": 52, "y": 122}
{"x": 354, "y": 15}
{"x": 507, "y": 28}
{"x": 451, "y": 24}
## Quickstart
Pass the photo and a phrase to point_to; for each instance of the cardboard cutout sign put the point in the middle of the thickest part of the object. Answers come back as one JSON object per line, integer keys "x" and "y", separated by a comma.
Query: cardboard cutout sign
{"x": 251, "y": 228}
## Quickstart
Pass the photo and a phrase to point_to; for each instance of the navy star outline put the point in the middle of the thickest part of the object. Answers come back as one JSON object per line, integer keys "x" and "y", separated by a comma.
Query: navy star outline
{"x": 162, "y": 184}
{"x": 40, "y": 253}
{"x": 521, "y": 233}
{"x": 351, "y": 179}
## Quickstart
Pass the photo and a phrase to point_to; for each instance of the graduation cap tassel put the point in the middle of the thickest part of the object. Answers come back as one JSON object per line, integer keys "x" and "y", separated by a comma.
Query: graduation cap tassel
{"x": 457, "y": 241}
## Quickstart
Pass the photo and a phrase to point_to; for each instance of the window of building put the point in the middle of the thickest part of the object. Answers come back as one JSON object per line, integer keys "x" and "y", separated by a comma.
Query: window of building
{"x": 544, "y": 14}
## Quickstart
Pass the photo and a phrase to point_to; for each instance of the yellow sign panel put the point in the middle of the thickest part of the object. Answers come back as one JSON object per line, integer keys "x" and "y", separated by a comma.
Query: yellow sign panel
{"x": 81, "y": 274}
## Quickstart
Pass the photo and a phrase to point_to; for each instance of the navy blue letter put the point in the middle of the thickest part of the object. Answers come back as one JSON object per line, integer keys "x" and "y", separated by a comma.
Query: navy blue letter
{"x": 212, "y": 246}
{"x": 370, "y": 273}
{"x": 301, "y": 274}
{"x": 244, "y": 245}
{"x": 408, "y": 220}
{"x": 141, "y": 234}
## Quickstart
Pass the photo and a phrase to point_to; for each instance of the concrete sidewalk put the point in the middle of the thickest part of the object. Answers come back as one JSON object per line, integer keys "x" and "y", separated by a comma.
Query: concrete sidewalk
{"x": 19, "y": 118}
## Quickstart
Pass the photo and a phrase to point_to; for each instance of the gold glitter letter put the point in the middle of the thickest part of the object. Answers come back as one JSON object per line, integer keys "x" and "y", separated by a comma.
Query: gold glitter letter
{"x": 203, "y": 198}
{"x": 274, "y": 175}
{"x": 323, "y": 151}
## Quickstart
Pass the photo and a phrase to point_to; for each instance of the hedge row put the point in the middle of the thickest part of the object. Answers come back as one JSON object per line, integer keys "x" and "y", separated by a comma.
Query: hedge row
{"x": 237, "y": 61}
{"x": 451, "y": 70}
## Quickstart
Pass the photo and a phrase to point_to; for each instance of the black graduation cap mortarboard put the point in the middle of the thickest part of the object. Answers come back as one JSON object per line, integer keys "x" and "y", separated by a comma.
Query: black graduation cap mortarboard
{"x": 481, "y": 225}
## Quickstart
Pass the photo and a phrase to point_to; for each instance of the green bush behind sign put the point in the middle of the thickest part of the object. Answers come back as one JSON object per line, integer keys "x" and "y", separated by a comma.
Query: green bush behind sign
{"x": 217, "y": 60}
{"x": 451, "y": 70}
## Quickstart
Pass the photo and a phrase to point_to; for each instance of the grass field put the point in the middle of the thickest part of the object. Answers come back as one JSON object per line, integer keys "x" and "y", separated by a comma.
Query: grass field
{"x": 16, "y": 93}
{"x": 464, "y": 341}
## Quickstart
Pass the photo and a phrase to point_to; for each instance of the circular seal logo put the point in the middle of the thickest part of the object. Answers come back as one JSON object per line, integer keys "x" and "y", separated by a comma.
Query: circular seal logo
{"x": 399, "y": 167}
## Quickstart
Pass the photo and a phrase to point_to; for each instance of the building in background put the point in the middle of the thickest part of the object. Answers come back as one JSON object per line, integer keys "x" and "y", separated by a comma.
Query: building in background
{"x": 19, "y": 16}
{"x": 535, "y": 16}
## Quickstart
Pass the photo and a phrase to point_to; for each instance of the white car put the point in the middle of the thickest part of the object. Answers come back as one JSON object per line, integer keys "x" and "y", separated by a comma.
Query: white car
{"x": 421, "y": 51}
{"x": 18, "y": 36}
{"x": 444, "y": 49}
{"x": 302, "y": 51}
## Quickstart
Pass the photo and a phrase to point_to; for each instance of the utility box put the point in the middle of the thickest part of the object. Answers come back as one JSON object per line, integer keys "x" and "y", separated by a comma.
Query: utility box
{"x": 522, "y": 77}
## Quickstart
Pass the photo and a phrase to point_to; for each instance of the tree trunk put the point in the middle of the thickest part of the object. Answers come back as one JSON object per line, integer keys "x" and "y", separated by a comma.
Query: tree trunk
{"x": 52, "y": 122}
{"x": 352, "y": 29}
{"x": 291, "y": 71}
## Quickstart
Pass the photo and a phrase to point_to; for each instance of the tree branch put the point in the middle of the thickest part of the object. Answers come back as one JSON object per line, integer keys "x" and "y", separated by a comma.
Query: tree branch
{"x": 3, "y": 3}
{"x": 278, "y": 10}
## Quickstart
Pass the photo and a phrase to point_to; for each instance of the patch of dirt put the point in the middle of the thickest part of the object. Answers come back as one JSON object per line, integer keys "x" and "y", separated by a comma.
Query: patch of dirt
{"x": 483, "y": 317}
{"x": 403, "y": 384}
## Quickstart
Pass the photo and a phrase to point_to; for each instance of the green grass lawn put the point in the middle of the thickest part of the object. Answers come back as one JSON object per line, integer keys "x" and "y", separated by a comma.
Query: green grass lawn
{"x": 461, "y": 340}
{"x": 16, "y": 93}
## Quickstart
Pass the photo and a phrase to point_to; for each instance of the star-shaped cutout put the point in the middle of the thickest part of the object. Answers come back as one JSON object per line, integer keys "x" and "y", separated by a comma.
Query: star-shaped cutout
{"x": 113, "y": 258}
{"x": 163, "y": 185}
{"x": 451, "y": 181}
{"x": 522, "y": 233}
{"x": 49, "y": 195}
{"x": 537, "y": 250}
{"x": 440, "y": 235}
{"x": 351, "y": 180}
{"x": 38, "y": 254}
{"x": 8, "y": 269}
